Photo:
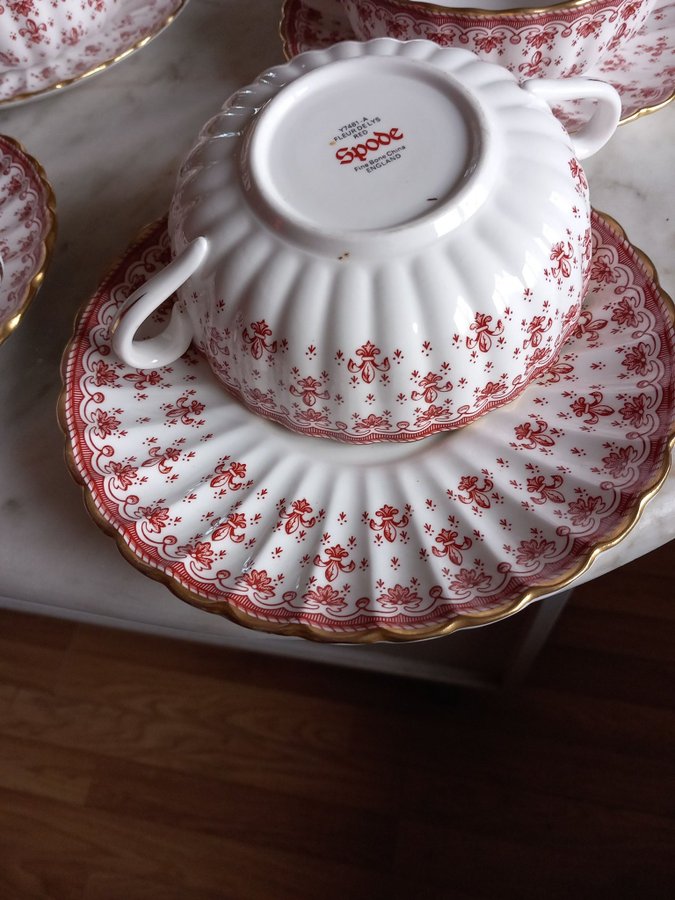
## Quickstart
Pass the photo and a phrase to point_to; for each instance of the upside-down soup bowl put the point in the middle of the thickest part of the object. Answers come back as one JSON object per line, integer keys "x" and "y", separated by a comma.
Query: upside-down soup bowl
{"x": 377, "y": 241}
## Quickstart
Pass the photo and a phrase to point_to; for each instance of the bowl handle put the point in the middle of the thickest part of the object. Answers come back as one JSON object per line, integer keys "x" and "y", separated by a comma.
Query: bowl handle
{"x": 175, "y": 337}
{"x": 602, "y": 124}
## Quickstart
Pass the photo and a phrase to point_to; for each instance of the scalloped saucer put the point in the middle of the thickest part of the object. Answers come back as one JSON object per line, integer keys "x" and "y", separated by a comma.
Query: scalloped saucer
{"x": 134, "y": 26}
{"x": 299, "y": 535}
{"x": 643, "y": 70}
{"x": 27, "y": 231}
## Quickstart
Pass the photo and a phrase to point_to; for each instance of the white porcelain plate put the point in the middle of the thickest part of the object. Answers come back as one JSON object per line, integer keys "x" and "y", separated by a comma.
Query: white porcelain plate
{"x": 301, "y": 535}
{"x": 643, "y": 70}
{"x": 27, "y": 231}
{"x": 133, "y": 25}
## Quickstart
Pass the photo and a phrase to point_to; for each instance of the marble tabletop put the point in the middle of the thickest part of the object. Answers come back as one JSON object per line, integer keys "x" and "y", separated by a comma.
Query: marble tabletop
{"x": 111, "y": 147}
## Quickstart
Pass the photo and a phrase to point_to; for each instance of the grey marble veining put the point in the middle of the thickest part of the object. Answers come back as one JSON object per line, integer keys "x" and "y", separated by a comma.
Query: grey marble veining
{"x": 111, "y": 147}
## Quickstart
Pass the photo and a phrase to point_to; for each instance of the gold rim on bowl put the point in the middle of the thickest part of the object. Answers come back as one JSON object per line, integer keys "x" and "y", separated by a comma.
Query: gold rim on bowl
{"x": 48, "y": 240}
{"x": 99, "y": 67}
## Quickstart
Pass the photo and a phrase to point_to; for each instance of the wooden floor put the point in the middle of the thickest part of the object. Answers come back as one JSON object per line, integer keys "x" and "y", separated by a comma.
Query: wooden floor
{"x": 136, "y": 768}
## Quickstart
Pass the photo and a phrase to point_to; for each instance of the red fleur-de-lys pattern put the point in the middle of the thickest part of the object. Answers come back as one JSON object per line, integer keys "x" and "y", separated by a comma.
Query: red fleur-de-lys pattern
{"x": 186, "y": 409}
{"x": 142, "y": 379}
{"x": 448, "y": 543}
{"x": 558, "y": 371}
{"x": 163, "y": 459}
{"x": 589, "y": 328}
{"x": 430, "y": 386}
{"x": 642, "y": 68}
{"x": 485, "y": 330}
{"x": 536, "y": 329}
{"x": 475, "y": 489}
{"x": 334, "y": 560}
{"x": 578, "y": 174}
{"x": 232, "y": 529}
{"x": 299, "y": 516}
{"x": 535, "y": 66}
{"x": 562, "y": 261}
{"x": 591, "y": 408}
{"x": 309, "y": 390}
{"x": 368, "y": 364}
{"x": 543, "y": 490}
{"x": 71, "y": 37}
{"x": 278, "y": 533}
{"x": 33, "y": 33}
{"x": 387, "y": 522}
{"x": 230, "y": 476}
{"x": 535, "y": 434}
{"x": 258, "y": 339}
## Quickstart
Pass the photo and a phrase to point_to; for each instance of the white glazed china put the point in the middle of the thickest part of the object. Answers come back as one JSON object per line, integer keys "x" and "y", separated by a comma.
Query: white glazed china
{"x": 400, "y": 541}
{"x": 558, "y": 40}
{"x": 642, "y": 70}
{"x": 378, "y": 241}
{"x": 46, "y": 46}
{"x": 27, "y": 231}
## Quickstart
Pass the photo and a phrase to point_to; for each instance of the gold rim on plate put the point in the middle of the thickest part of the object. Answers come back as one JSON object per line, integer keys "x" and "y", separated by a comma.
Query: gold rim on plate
{"x": 379, "y": 632}
{"x": 99, "y": 67}
{"x": 646, "y": 110}
{"x": 48, "y": 240}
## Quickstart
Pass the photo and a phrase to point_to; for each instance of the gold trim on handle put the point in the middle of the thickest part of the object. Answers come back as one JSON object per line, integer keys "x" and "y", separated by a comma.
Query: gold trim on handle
{"x": 379, "y": 632}
{"x": 47, "y": 242}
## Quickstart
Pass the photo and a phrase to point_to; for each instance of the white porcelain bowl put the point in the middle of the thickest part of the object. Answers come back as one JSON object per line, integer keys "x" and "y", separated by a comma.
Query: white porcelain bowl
{"x": 378, "y": 241}
{"x": 35, "y": 31}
